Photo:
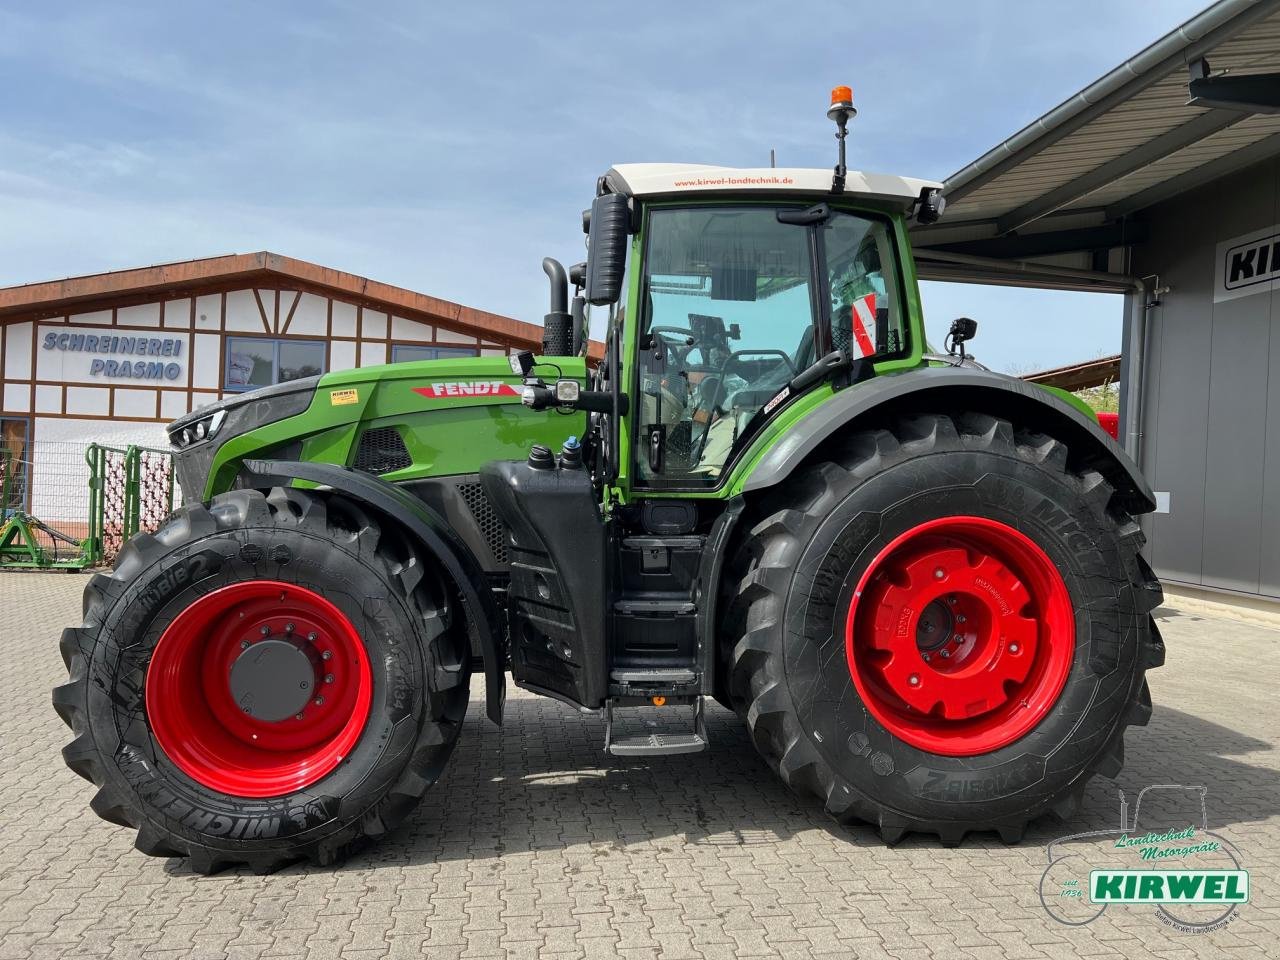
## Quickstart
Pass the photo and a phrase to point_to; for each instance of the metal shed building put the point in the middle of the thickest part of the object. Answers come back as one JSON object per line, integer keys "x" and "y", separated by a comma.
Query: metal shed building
{"x": 1161, "y": 182}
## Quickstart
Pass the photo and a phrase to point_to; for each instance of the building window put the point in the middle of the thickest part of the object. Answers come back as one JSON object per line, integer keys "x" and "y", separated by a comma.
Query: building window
{"x": 15, "y": 464}
{"x": 408, "y": 352}
{"x": 254, "y": 362}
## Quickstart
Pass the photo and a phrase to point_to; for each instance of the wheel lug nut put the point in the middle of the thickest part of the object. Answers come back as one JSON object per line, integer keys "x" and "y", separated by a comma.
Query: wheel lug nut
{"x": 265, "y": 630}
{"x": 1013, "y": 648}
{"x": 312, "y": 636}
{"x": 945, "y": 654}
{"x": 939, "y": 573}
{"x": 288, "y": 628}
{"x": 924, "y": 657}
{"x": 914, "y": 680}
{"x": 319, "y": 701}
{"x": 327, "y": 655}
{"x": 297, "y": 716}
{"x": 952, "y": 599}
{"x": 328, "y": 678}
{"x": 960, "y": 618}
{"x": 244, "y": 644}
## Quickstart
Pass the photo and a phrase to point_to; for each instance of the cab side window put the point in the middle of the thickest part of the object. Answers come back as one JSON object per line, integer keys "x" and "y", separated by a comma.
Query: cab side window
{"x": 866, "y": 316}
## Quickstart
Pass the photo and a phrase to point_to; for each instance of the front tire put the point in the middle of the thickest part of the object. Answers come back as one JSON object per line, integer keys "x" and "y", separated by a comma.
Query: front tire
{"x": 944, "y": 627}
{"x": 265, "y": 679}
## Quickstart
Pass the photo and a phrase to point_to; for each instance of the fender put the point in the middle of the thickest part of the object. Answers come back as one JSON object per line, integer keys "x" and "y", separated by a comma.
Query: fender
{"x": 431, "y": 530}
{"x": 940, "y": 388}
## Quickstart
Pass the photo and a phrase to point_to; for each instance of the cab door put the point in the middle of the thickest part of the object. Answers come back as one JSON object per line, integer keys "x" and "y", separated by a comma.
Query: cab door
{"x": 728, "y": 319}
{"x": 736, "y": 301}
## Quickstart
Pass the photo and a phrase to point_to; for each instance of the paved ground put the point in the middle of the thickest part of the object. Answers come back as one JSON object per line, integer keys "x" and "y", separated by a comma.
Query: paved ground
{"x": 537, "y": 845}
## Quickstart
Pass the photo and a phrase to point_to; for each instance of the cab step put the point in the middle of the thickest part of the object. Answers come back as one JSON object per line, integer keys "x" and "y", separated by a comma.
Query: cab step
{"x": 654, "y": 744}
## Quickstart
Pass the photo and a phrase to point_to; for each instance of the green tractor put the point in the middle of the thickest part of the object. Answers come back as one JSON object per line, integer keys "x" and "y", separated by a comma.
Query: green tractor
{"x": 917, "y": 582}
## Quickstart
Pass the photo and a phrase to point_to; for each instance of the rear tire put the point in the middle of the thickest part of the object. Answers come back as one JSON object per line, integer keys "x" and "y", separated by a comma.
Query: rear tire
{"x": 148, "y": 680}
{"x": 823, "y": 689}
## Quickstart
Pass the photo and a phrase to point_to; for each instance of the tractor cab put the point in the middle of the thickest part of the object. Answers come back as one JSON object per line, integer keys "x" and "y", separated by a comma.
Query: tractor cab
{"x": 726, "y": 306}
{"x": 737, "y": 301}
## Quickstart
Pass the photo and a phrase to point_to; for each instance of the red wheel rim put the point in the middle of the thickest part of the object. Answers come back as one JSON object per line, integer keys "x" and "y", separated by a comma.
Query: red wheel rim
{"x": 212, "y": 738}
{"x": 960, "y": 636}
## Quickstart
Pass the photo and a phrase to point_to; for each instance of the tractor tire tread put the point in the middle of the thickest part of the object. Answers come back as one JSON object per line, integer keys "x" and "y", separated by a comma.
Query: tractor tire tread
{"x": 759, "y": 578}
{"x": 227, "y": 512}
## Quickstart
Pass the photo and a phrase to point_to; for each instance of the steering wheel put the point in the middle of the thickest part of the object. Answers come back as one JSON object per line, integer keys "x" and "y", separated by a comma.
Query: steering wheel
{"x": 675, "y": 353}
{"x": 720, "y": 393}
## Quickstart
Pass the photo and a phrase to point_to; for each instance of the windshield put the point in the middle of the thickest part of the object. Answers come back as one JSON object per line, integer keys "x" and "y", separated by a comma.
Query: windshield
{"x": 732, "y": 310}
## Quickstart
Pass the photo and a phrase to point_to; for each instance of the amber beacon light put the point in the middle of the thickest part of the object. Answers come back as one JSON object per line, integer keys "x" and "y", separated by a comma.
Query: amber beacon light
{"x": 841, "y": 111}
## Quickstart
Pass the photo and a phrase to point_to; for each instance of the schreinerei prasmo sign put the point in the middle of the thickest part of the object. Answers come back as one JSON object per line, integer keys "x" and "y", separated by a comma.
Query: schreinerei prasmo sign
{"x": 111, "y": 356}
{"x": 1247, "y": 265}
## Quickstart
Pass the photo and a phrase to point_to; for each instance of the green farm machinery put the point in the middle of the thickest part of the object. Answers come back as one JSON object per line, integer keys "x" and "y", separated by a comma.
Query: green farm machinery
{"x": 917, "y": 582}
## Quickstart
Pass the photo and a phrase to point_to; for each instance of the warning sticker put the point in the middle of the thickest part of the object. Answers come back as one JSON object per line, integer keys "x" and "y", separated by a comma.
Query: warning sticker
{"x": 863, "y": 317}
{"x": 339, "y": 398}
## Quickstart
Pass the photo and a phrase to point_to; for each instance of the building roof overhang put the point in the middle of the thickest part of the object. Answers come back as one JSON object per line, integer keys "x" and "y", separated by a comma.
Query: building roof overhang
{"x": 1074, "y": 183}
{"x": 189, "y": 277}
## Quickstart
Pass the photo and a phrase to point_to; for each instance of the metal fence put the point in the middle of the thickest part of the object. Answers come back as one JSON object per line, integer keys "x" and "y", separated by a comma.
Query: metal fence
{"x": 45, "y": 518}
{"x": 67, "y": 504}
{"x": 131, "y": 490}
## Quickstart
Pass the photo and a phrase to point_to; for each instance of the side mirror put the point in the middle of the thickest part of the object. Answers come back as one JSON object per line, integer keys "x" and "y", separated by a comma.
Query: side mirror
{"x": 607, "y": 248}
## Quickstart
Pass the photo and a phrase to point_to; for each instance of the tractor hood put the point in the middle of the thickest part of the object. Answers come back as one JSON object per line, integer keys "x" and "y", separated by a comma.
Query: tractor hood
{"x": 403, "y": 421}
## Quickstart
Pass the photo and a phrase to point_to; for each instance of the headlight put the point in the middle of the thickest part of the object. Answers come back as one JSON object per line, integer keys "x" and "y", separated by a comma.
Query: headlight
{"x": 199, "y": 431}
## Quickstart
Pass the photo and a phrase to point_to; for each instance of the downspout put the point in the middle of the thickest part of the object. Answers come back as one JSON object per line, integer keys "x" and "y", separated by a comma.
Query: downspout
{"x": 1133, "y": 366}
{"x": 1134, "y": 335}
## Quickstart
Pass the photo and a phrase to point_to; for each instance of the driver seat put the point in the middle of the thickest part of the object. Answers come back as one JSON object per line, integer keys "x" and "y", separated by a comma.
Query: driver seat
{"x": 806, "y": 353}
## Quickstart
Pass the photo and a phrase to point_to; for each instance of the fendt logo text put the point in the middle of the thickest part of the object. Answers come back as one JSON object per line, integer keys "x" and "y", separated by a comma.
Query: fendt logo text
{"x": 467, "y": 388}
{"x": 1257, "y": 261}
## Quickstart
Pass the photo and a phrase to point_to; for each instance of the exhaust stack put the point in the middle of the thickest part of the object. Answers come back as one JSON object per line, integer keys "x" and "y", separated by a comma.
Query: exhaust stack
{"x": 557, "y": 325}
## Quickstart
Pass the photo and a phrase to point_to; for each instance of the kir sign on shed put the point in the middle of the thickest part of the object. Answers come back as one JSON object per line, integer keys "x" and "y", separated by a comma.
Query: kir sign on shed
{"x": 1247, "y": 264}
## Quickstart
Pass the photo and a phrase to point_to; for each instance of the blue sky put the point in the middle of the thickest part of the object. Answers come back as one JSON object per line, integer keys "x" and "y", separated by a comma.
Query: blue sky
{"x": 448, "y": 148}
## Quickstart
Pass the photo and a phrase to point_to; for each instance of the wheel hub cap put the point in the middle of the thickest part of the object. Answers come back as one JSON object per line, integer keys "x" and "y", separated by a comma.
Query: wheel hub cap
{"x": 272, "y": 680}
{"x": 960, "y": 635}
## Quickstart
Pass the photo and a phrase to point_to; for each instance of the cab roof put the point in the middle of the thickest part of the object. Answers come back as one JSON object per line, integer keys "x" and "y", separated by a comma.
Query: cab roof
{"x": 658, "y": 179}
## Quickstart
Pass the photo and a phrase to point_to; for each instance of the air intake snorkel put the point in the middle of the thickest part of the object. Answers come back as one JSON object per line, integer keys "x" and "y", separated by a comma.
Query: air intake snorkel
{"x": 557, "y": 325}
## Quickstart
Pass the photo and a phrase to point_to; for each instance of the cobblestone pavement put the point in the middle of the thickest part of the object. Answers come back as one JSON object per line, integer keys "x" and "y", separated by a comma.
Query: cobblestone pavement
{"x": 538, "y": 845}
